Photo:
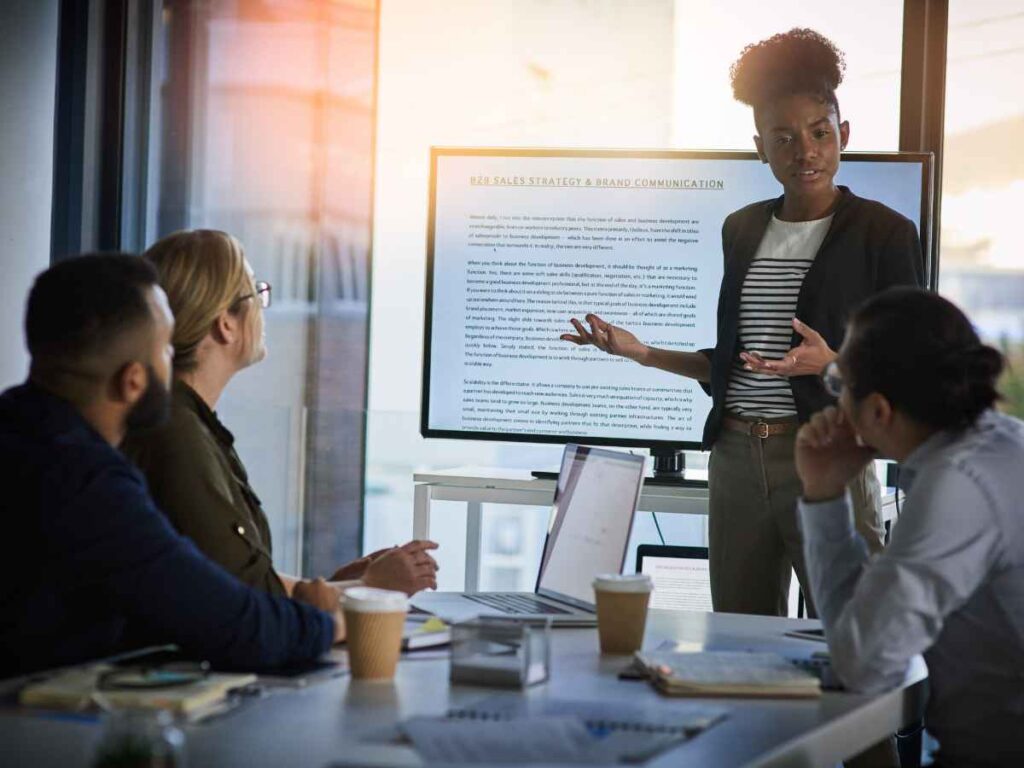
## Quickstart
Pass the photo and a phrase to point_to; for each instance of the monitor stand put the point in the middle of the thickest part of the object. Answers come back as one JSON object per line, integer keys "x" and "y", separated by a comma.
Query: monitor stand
{"x": 669, "y": 469}
{"x": 668, "y": 462}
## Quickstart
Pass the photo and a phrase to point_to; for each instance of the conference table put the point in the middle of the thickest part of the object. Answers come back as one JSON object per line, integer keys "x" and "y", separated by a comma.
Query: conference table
{"x": 345, "y": 722}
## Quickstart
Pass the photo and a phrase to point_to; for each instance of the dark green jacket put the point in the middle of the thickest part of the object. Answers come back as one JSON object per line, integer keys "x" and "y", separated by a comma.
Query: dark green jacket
{"x": 197, "y": 479}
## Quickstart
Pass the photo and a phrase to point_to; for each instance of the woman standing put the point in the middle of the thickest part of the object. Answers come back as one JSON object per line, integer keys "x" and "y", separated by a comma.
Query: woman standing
{"x": 795, "y": 267}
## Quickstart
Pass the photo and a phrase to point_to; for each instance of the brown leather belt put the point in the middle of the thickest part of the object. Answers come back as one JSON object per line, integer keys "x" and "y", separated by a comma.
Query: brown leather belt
{"x": 760, "y": 429}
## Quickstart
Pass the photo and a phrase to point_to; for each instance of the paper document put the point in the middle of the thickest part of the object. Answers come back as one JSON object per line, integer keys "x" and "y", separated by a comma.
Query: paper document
{"x": 680, "y": 584}
{"x": 530, "y": 740}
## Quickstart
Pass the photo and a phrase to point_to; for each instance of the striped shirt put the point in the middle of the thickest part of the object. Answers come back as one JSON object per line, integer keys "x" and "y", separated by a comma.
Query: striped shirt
{"x": 767, "y": 306}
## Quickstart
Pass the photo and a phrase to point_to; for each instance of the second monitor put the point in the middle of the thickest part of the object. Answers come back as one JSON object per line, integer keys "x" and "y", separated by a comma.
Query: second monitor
{"x": 681, "y": 577}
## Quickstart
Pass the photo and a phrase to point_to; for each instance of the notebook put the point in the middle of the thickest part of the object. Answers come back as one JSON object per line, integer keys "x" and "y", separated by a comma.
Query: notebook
{"x": 728, "y": 673}
{"x": 561, "y": 740}
{"x": 676, "y": 720}
{"x": 513, "y": 729}
{"x": 77, "y": 689}
{"x": 432, "y": 633}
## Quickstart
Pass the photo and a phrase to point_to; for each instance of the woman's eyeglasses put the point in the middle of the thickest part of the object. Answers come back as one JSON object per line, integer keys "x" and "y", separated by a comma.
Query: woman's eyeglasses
{"x": 262, "y": 293}
{"x": 833, "y": 380}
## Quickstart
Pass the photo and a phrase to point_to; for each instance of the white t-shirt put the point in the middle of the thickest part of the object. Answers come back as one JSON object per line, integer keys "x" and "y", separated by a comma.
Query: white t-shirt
{"x": 767, "y": 306}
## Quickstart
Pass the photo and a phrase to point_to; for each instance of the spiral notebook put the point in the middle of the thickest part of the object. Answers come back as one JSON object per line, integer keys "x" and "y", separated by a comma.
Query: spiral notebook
{"x": 598, "y": 716}
{"x": 512, "y": 729}
{"x": 78, "y": 688}
{"x": 729, "y": 673}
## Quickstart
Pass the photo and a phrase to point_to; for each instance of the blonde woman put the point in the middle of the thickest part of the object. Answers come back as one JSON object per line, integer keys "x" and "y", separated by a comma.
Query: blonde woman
{"x": 191, "y": 466}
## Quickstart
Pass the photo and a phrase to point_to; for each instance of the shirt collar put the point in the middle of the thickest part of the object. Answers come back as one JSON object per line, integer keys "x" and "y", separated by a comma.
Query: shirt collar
{"x": 41, "y": 412}
{"x": 187, "y": 397}
{"x": 846, "y": 198}
{"x": 919, "y": 458}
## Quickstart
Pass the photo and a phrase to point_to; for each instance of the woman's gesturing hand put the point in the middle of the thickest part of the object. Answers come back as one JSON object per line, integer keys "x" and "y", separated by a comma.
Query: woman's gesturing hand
{"x": 807, "y": 359}
{"x": 606, "y": 337}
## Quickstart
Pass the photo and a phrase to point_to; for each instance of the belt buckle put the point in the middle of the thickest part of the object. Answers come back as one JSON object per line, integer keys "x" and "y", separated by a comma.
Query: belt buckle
{"x": 759, "y": 429}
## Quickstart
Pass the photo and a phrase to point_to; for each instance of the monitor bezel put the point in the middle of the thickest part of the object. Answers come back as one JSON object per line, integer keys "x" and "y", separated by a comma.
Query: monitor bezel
{"x": 668, "y": 551}
{"x": 582, "y": 453}
{"x": 925, "y": 158}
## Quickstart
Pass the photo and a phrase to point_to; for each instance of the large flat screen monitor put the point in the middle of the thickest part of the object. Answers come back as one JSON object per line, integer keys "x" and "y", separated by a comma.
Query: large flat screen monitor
{"x": 520, "y": 240}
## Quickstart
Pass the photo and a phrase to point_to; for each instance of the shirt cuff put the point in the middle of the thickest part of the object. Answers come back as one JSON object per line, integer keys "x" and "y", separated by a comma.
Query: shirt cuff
{"x": 326, "y": 632}
{"x": 832, "y": 519}
{"x": 708, "y": 353}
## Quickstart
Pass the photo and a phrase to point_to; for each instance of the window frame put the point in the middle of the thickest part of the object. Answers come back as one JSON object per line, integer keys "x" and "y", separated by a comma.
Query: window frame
{"x": 923, "y": 104}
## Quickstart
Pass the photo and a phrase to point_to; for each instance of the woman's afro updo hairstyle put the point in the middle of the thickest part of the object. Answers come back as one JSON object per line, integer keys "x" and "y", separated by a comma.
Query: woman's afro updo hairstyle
{"x": 797, "y": 61}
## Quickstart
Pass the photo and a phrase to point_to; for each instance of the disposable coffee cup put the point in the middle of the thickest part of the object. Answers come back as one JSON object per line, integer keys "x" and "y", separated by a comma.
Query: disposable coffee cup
{"x": 621, "y": 611}
{"x": 374, "y": 620}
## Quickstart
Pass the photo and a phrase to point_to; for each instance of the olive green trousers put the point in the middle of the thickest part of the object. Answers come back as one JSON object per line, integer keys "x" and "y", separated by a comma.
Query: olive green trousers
{"x": 754, "y": 539}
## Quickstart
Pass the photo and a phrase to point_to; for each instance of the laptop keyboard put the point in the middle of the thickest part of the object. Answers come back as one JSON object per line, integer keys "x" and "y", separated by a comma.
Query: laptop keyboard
{"x": 514, "y": 603}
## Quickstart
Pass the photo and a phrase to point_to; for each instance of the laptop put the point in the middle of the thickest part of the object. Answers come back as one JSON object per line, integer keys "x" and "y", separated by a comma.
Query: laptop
{"x": 588, "y": 533}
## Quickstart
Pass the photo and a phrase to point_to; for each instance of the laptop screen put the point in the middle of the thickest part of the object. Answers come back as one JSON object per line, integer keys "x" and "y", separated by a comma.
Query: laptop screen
{"x": 590, "y": 523}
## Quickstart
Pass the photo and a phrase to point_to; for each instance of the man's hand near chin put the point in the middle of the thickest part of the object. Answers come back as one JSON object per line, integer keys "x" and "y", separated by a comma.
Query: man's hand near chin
{"x": 324, "y": 596}
{"x": 828, "y": 456}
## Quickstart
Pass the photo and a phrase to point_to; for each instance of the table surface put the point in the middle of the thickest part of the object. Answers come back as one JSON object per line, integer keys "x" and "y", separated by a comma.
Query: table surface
{"x": 477, "y": 483}
{"x": 342, "y": 721}
{"x": 522, "y": 479}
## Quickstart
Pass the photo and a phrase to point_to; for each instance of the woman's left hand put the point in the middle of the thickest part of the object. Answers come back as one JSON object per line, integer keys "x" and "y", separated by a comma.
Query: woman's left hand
{"x": 808, "y": 359}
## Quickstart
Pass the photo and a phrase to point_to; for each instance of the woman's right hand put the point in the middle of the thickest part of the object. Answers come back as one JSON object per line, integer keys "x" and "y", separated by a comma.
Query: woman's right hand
{"x": 408, "y": 568}
{"x": 606, "y": 337}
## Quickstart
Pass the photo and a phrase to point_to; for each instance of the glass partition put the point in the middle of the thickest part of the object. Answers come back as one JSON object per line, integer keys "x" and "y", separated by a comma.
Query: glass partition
{"x": 982, "y": 260}
{"x": 266, "y": 131}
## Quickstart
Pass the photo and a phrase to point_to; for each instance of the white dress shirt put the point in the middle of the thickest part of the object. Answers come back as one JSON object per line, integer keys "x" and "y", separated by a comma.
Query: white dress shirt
{"x": 950, "y": 585}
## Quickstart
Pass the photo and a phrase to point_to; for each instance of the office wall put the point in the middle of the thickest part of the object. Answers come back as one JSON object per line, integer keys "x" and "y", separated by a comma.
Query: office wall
{"x": 28, "y": 65}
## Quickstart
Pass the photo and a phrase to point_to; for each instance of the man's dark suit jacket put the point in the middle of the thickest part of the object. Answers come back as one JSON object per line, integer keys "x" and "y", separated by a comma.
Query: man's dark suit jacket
{"x": 867, "y": 249}
{"x": 88, "y": 563}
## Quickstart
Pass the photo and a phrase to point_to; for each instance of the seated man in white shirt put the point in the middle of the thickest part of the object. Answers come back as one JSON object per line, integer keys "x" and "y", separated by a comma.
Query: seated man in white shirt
{"x": 915, "y": 384}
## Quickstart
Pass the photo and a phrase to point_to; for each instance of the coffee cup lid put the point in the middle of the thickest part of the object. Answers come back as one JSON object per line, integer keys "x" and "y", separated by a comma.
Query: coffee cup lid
{"x": 628, "y": 582}
{"x": 372, "y": 600}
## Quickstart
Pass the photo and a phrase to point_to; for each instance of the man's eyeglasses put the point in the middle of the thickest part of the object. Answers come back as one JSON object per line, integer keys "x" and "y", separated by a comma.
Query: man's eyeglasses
{"x": 262, "y": 292}
{"x": 833, "y": 380}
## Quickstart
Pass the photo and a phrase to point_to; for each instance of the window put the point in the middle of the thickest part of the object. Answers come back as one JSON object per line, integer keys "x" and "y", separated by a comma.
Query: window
{"x": 710, "y": 36}
{"x": 266, "y": 131}
{"x": 555, "y": 73}
{"x": 982, "y": 261}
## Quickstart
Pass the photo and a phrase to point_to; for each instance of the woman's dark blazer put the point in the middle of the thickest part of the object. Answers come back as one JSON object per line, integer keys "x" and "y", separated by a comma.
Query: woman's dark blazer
{"x": 868, "y": 248}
